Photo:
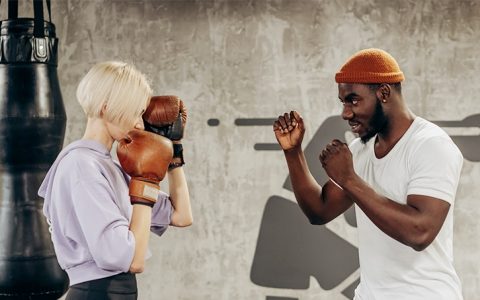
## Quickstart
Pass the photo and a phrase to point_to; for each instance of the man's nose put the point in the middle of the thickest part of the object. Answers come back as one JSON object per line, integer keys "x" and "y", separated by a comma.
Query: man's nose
{"x": 347, "y": 112}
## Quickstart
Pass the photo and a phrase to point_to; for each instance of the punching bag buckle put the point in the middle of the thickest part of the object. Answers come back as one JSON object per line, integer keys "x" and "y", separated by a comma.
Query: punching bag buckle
{"x": 40, "y": 48}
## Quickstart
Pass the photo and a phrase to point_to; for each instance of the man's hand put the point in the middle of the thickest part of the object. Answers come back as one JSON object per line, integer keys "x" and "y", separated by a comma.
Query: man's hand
{"x": 337, "y": 161}
{"x": 289, "y": 130}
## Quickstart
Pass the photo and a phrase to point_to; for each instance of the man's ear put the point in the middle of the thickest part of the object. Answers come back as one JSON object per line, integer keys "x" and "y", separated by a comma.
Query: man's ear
{"x": 384, "y": 92}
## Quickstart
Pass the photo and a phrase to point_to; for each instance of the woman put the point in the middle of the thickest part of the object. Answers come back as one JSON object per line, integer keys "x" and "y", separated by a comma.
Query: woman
{"x": 101, "y": 237}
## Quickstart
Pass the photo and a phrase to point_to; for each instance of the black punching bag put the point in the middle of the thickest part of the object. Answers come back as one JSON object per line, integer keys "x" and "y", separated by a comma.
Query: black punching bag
{"x": 32, "y": 128}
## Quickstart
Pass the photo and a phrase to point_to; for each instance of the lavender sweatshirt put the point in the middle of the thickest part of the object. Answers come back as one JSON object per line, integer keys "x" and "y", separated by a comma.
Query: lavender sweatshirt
{"x": 88, "y": 208}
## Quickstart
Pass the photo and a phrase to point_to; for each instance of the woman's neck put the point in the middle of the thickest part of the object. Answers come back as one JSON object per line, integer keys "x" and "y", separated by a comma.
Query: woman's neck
{"x": 97, "y": 130}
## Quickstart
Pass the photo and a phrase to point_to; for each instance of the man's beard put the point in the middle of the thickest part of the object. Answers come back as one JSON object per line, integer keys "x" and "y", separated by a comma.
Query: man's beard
{"x": 378, "y": 123}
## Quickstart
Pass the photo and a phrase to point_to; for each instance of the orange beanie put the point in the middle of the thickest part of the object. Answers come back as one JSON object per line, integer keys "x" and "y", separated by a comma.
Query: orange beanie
{"x": 370, "y": 66}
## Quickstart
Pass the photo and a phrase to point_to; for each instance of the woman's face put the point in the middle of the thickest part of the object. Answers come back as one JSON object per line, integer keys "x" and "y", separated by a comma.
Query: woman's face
{"x": 118, "y": 131}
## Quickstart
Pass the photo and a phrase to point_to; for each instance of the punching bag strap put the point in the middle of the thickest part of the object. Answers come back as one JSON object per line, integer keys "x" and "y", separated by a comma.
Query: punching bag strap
{"x": 12, "y": 9}
{"x": 38, "y": 29}
{"x": 40, "y": 51}
{"x": 29, "y": 40}
{"x": 49, "y": 11}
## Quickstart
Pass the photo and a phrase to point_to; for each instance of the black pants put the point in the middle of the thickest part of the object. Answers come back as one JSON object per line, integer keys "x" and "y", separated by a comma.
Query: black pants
{"x": 122, "y": 286}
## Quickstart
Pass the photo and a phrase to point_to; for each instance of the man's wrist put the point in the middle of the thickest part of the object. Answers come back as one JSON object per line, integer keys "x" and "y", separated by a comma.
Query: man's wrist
{"x": 350, "y": 182}
{"x": 293, "y": 151}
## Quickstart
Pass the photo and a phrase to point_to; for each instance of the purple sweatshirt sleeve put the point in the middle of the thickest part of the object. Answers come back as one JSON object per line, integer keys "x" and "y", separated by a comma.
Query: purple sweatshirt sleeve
{"x": 106, "y": 230}
{"x": 161, "y": 214}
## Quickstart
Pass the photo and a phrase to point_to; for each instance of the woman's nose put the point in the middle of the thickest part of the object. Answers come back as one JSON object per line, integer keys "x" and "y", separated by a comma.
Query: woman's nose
{"x": 139, "y": 124}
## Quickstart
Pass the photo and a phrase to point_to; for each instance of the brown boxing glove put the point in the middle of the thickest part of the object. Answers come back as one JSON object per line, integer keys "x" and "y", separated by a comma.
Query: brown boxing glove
{"x": 145, "y": 157}
{"x": 166, "y": 116}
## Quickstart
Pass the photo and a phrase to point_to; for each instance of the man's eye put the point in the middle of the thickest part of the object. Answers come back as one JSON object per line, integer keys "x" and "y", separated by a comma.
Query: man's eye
{"x": 354, "y": 102}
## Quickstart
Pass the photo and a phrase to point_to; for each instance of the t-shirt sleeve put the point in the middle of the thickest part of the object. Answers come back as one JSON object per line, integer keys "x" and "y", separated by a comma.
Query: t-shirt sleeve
{"x": 435, "y": 169}
{"x": 355, "y": 147}
{"x": 161, "y": 214}
{"x": 106, "y": 230}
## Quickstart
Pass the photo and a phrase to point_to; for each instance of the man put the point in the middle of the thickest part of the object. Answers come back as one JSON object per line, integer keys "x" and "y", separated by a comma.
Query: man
{"x": 401, "y": 172}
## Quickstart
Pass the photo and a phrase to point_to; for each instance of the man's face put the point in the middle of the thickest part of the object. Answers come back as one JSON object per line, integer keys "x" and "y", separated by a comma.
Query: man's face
{"x": 362, "y": 109}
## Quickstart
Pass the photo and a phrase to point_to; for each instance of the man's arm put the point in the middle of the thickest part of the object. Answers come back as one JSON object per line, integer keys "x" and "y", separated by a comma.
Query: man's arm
{"x": 415, "y": 224}
{"x": 320, "y": 205}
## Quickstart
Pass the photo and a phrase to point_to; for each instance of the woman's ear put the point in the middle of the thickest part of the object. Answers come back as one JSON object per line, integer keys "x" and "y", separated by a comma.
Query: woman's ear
{"x": 104, "y": 109}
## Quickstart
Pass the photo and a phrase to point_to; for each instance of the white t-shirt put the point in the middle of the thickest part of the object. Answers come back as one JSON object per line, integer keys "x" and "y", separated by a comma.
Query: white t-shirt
{"x": 425, "y": 161}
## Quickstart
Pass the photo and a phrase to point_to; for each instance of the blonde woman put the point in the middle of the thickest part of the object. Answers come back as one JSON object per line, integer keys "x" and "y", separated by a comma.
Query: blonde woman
{"x": 100, "y": 233}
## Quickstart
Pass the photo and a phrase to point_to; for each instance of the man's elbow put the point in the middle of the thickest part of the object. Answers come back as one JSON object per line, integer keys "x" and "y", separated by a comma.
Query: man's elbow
{"x": 422, "y": 241}
{"x": 316, "y": 220}
{"x": 420, "y": 246}
{"x": 315, "y": 217}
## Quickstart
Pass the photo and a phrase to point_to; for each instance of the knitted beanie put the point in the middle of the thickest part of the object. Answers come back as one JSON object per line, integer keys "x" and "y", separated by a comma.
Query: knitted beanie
{"x": 370, "y": 66}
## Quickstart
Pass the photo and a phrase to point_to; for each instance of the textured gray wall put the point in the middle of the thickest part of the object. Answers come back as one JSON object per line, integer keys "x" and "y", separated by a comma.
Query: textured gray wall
{"x": 257, "y": 59}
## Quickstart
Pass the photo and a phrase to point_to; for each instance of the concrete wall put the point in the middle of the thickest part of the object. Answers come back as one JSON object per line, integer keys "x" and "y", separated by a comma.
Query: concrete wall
{"x": 256, "y": 59}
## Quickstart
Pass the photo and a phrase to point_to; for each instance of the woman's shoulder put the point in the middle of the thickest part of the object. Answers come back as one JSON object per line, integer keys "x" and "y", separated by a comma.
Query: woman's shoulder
{"x": 82, "y": 163}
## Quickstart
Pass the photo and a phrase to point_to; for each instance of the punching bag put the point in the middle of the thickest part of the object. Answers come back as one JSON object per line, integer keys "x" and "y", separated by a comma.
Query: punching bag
{"x": 32, "y": 128}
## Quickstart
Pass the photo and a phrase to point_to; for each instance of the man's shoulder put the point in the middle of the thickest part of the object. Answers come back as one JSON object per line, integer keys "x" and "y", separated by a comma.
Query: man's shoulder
{"x": 430, "y": 138}
{"x": 424, "y": 129}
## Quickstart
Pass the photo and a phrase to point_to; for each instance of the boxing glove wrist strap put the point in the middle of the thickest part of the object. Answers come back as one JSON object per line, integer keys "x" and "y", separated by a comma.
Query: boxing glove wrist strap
{"x": 143, "y": 191}
{"x": 177, "y": 157}
{"x": 134, "y": 200}
{"x": 178, "y": 151}
{"x": 172, "y": 166}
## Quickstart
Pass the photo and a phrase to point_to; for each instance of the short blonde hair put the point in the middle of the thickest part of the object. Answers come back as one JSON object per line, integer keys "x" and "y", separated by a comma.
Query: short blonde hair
{"x": 119, "y": 87}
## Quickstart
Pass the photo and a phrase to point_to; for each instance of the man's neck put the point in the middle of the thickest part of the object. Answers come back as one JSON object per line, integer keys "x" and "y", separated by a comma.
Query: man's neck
{"x": 396, "y": 128}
